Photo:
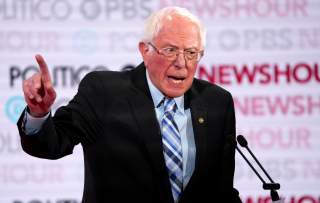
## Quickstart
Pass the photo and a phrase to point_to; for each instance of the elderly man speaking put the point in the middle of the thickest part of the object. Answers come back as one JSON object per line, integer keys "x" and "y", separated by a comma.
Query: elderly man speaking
{"x": 154, "y": 134}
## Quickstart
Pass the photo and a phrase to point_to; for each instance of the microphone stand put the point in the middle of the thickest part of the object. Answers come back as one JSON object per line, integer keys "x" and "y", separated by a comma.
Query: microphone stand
{"x": 273, "y": 187}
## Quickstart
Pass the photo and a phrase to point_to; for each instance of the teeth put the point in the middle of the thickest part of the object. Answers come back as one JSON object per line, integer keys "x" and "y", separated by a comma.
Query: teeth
{"x": 176, "y": 81}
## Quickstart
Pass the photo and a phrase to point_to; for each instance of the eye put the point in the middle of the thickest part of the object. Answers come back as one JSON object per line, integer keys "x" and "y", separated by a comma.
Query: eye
{"x": 191, "y": 52}
{"x": 169, "y": 50}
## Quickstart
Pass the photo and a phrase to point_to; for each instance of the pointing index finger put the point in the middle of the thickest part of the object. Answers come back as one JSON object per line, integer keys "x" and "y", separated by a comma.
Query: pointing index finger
{"x": 45, "y": 75}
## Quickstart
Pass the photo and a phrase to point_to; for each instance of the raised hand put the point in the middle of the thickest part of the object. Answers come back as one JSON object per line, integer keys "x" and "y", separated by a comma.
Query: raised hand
{"x": 38, "y": 90}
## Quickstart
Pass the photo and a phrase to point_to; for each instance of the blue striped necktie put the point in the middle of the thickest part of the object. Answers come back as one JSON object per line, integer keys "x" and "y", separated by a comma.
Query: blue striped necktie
{"x": 172, "y": 148}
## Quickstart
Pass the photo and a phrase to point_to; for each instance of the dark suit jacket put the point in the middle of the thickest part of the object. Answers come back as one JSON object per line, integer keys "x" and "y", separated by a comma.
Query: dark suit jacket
{"x": 113, "y": 117}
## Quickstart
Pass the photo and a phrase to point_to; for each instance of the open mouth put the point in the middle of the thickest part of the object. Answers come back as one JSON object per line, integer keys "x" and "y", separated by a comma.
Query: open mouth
{"x": 176, "y": 79}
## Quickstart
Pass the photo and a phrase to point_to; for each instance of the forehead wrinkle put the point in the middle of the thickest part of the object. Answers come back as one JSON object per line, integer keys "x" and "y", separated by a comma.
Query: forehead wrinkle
{"x": 172, "y": 44}
{"x": 169, "y": 35}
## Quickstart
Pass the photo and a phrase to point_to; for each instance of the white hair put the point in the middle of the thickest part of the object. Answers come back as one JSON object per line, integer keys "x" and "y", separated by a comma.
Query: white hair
{"x": 154, "y": 23}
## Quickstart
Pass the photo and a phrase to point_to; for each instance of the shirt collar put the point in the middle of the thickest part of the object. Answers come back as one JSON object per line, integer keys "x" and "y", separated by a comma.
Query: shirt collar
{"x": 157, "y": 96}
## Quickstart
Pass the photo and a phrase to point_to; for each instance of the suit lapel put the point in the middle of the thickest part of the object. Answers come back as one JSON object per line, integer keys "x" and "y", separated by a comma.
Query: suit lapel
{"x": 145, "y": 115}
{"x": 199, "y": 118}
{"x": 199, "y": 122}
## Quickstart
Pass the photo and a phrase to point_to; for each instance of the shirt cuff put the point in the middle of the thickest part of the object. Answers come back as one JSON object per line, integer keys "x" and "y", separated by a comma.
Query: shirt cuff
{"x": 32, "y": 124}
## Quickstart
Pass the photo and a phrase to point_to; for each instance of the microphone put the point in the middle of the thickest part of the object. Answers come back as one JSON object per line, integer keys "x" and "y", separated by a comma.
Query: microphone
{"x": 273, "y": 187}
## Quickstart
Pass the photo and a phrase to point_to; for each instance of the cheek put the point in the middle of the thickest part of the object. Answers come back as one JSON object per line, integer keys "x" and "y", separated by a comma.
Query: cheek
{"x": 157, "y": 70}
{"x": 192, "y": 72}
{"x": 160, "y": 68}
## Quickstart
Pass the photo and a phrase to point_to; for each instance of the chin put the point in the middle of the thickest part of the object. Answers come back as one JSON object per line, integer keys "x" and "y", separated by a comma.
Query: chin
{"x": 174, "y": 93}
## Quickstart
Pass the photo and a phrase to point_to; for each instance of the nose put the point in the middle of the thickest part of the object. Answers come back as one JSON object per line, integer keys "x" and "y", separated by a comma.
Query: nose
{"x": 180, "y": 61}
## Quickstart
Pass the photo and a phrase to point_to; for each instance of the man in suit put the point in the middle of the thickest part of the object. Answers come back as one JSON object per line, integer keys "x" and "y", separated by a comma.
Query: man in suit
{"x": 150, "y": 135}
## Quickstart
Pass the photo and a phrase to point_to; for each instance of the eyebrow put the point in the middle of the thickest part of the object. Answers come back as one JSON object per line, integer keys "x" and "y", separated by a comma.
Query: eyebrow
{"x": 171, "y": 45}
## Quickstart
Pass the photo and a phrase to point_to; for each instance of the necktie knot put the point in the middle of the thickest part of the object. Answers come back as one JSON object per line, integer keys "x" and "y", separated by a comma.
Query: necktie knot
{"x": 170, "y": 106}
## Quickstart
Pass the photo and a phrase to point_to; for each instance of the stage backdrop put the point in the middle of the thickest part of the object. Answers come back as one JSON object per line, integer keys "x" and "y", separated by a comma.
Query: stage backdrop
{"x": 265, "y": 52}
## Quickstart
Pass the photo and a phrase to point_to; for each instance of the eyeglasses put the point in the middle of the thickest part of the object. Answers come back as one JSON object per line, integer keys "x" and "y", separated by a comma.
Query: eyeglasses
{"x": 172, "y": 52}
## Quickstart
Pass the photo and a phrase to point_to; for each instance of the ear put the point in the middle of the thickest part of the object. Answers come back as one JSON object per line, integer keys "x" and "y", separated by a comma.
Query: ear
{"x": 144, "y": 48}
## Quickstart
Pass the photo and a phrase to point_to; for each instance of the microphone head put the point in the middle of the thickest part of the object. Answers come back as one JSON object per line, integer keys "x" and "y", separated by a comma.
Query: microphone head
{"x": 242, "y": 141}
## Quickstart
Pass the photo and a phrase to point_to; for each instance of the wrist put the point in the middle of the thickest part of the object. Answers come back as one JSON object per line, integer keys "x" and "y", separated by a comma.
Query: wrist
{"x": 37, "y": 114}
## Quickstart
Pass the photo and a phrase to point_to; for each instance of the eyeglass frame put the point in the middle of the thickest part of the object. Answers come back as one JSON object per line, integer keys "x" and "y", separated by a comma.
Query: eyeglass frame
{"x": 178, "y": 51}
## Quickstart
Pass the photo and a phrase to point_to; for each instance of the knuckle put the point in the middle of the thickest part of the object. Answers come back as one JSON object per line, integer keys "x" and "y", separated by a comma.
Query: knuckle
{"x": 32, "y": 89}
{"x": 49, "y": 86}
